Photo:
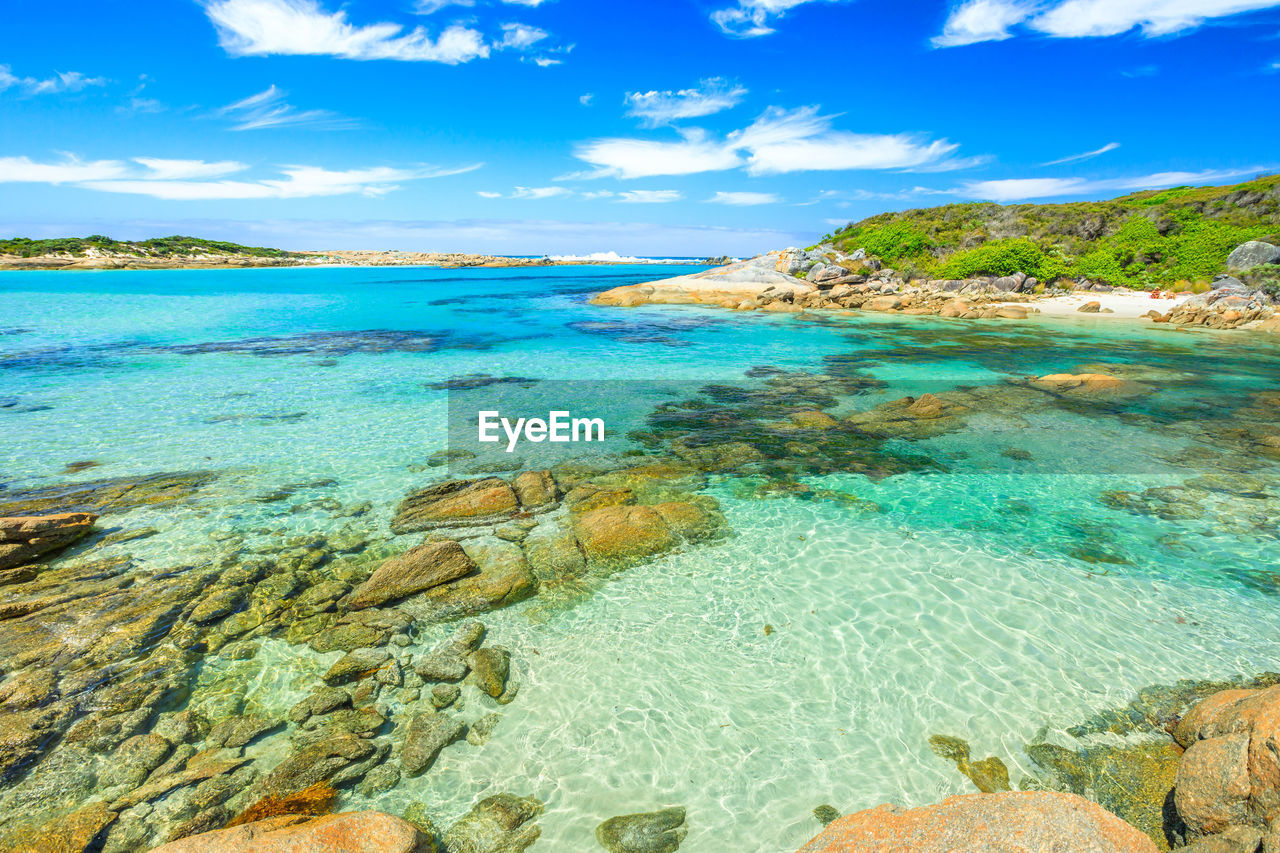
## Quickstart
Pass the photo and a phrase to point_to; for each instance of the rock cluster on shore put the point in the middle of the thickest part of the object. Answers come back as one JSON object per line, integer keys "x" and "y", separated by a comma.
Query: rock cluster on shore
{"x": 795, "y": 280}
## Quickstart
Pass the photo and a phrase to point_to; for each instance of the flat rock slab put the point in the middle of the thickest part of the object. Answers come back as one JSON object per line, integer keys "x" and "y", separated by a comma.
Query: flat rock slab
{"x": 351, "y": 832}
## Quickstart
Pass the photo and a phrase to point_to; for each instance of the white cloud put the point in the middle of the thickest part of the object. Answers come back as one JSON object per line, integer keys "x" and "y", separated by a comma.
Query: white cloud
{"x": 268, "y": 109}
{"x": 304, "y": 28}
{"x": 586, "y": 99}
{"x": 801, "y": 140}
{"x": 1076, "y": 18}
{"x": 189, "y": 180}
{"x": 991, "y": 20}
{"x": 533, "y": 4}
{"x": 70, "y": 170}
{"x": 429, "y": 7}
{"x": 982, "y": 20}
{"x": 1088, "y": 155}
{"x": 744, "y": 199}
{"x": 63, "y": 81}
{"x": 519, "y": 37}
{"x": 650, "y": 196}
{"x": 529, "y": 193}
{"x": 753, "y": 18}
{"x": 182, "y": 170}
{"x": 658, "y": 108}
{"x": 642, "y": 158}
{"x": 779, "y": 141}
{"x": 1018, "y": 189}
{"x": 547, "y": 62}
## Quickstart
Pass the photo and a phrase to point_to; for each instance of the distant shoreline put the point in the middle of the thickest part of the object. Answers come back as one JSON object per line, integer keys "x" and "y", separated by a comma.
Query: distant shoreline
{"x": 325, "y": 259}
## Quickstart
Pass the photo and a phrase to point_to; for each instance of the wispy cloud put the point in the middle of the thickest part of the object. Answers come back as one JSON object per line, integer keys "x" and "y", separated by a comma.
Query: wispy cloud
{"x": 711, "y": 96}
{"x": 754, "y": 18}
{"x": 268, "y": 108}
{"x": 305, "y": 28}
{"x": 650, "y": 196}
{"x": 61, "y": 82}
{"x": 519, "y": 37}
{"x": 529, "y": 193}
{"x": 744, "y": 199}
{"x": 778, "y": 142}
{"x": 993, "y": 20}
{"x": 1019, "y": 189}
{"x": 1088, "y": 155}
{"x": 586, "y": 99}
{"x": 191, "y": 180}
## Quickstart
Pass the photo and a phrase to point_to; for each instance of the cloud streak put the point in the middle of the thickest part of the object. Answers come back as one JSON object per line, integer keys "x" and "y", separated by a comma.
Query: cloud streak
{"x": 1088, "y": 155}
{"x": 976, "y": 21}
{"x": 754, "y": 18}
{"x": 268, "y": 109}
{"x": 61, "y": 82}
{"x": 712, "y": 95}
{"x": 194, "y": 180}
{"x": 1020, "y": 189}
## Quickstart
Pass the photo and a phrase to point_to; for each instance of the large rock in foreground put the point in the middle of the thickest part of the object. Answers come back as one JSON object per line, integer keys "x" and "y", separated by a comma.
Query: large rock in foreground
{"x": 1230, "y": 773}
{"x": 455, "y": 502}
{"x": 352, "y": 832}
{"x": 26, "y": 538}
{"x": 1014, "y": 822}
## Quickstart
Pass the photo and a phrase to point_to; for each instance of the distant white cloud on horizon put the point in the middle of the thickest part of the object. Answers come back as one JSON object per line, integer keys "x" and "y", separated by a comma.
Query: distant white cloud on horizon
{"x": 753, "y": 18}
{"x": 62, "y": 81}
{"x": 528, "y": 193}
{"x": 778, "y": 142}
{"x": 992, "y": 20}
{"x": 191, "y": 180}
{"x": 305, "y": 28}
{"x": 1088, "y": 155}
{"x": 743, "y": 199}
{"x": 268, "y": 108}
{"x": 1020, "y": 189}
{"x": 713, "y": 95}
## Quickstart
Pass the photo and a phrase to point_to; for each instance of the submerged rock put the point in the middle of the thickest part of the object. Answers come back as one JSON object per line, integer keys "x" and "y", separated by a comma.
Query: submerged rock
{"x": 320, "y": 762}
{"x": 1013, "y": 822}
{"x": 989, "y": 775}
{"x": 448, "y": 661}
{"x": 489, "y": 667}
{"x": 503, "y": 578}
{"x": 502, "y": 823}
{"x": 424, "y": 737}
{"x": 455, "y": 501}
{"x": 623, "y": 534}
{"x": 647, "y": 832}
{"x": 428, "y": 565}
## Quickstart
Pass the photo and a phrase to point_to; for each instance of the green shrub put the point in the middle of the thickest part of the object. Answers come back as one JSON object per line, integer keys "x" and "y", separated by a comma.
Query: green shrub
{"x": 998, "y": 257}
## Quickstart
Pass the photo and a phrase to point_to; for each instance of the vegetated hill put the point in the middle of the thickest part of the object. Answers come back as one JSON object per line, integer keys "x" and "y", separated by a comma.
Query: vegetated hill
{"x": 1150, "y": 239}
{"x": 157, "y": 247}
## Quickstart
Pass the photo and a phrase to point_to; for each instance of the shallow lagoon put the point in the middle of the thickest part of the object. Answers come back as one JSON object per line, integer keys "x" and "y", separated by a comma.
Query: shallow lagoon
{"x": 990, "y": 595}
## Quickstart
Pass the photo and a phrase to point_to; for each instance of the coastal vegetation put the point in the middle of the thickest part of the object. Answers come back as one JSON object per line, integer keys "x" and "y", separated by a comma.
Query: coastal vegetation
{"x": 156, "y": 247}
{"x": 1146, "y": 240}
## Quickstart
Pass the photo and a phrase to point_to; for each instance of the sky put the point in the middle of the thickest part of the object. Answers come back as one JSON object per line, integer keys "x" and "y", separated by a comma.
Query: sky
{"x": 642, "y": 127}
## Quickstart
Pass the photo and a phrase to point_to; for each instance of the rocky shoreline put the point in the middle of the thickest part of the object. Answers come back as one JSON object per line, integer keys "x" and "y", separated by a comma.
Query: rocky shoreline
{"x": 825, "y": 279}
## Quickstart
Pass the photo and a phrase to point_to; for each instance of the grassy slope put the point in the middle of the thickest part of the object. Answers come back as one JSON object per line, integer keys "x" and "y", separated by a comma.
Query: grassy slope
{"x": 1148, "y": 239}
{"x": 158, "y": 247}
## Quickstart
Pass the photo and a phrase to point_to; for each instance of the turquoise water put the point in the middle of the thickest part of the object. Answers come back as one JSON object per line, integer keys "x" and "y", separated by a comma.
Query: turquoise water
{"x": 990, "y": 593}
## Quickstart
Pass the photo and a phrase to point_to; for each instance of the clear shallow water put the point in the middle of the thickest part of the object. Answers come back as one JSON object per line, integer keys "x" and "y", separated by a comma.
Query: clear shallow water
{"x": 964, "y": 605}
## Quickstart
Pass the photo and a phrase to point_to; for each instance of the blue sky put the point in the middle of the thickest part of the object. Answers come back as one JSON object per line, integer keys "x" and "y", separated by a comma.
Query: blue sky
{"x": 678, "y": 127}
